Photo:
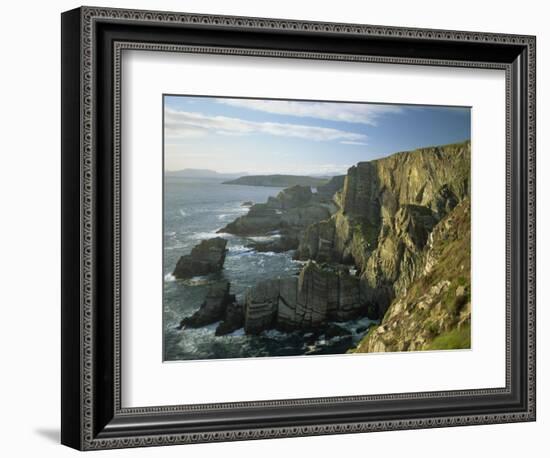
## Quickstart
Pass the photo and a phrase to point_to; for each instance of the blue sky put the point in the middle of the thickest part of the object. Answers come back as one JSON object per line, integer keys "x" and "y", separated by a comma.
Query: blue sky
{"x": 261, "y": 136}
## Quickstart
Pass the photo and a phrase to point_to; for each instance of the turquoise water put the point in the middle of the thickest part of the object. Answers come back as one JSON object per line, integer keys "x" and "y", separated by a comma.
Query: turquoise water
{"x": 194, "y": 209}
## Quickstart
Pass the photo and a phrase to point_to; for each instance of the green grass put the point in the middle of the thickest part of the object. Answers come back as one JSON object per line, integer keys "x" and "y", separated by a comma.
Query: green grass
{"x": 368, "y": 233}
{"x": 452, "y": 340}
{"x": 432, "y": 327}
{"x": 454, "y": 303}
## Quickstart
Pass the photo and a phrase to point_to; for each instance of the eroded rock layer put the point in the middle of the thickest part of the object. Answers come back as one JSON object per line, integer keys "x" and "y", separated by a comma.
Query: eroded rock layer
{"x": 308, "y": 301}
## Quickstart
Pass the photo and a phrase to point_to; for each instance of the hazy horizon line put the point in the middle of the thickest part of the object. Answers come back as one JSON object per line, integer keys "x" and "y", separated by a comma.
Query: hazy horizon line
{"x": 312, "y": 174}
{"x": 330, "y": 173}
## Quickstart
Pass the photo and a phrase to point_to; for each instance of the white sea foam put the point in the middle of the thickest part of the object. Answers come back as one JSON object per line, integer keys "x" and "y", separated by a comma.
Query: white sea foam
{"x": 225, "y": 235}
{"x": 212, "y": 326}
{"x": 177, "y": 246}
{"x": 197, "y": 281}
{"x": 239, "y": 249}
{"x": 206, "y": 235}
{"x": 182, "y": 213}
{"x": 265, "y": 238}
{"x": 168, "y": 278}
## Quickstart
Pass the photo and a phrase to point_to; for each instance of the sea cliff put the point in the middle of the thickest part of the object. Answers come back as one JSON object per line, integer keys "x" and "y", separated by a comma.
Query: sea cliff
{"x": 390, "y": 241}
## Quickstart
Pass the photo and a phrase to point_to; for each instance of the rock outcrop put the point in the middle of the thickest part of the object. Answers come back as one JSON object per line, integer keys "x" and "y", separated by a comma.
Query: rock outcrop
{"x": 205, "y": 258}
{"x": 326, "y": 191}
{"x": 434, "y": 312}
{"x": 288, "y": 214}
{"x": 292, "y": 209}
{"x": 387, "y": 209}
{"x": 214, "y": 307}
{"x": 305, "y": 302}
{"x": 232, "y": 320}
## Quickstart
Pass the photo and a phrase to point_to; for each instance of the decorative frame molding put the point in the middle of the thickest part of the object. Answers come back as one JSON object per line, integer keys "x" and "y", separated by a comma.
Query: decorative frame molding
{"x": 92, "y": 414}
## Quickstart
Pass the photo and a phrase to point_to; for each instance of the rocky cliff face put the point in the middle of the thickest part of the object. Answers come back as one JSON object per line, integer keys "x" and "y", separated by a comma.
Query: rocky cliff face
{"x": 389, "y": 241}
{"x": 387, "y": 209}
{"x": 308, "y": 301}
{"x": 433, "y": 313}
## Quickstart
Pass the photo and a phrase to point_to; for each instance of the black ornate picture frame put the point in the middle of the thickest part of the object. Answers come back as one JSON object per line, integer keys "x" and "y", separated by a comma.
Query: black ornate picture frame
{"x": 92, "y": 42}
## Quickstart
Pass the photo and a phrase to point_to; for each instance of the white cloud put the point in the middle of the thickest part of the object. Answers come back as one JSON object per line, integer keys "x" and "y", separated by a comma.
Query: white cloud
{"x": 186, "y": 124}
{"x": 350, "y": 142}
{"x": 361, "y": 113}
{"x": 188, "y": 131}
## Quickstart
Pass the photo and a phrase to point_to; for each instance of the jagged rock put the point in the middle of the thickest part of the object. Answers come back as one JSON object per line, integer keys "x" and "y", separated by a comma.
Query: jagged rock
{"x": 234, "y": 319}
{"x": 205, "y": 258}
{"x": 444, "y": 201}
{"x": 318, "y": 295}
{"x": 295, "y": 196}
{"x": 328, "y": 190}
{"x": 293, "y": 210}
{"x": 214, "y": 307}
{"x": 318, "y": 242}
{"x": 260, "y": 219}
{"x": 248, "y": 203}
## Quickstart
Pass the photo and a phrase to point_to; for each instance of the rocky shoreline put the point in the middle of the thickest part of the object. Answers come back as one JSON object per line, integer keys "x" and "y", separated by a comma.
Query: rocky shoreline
{"x": 367, "y": 240}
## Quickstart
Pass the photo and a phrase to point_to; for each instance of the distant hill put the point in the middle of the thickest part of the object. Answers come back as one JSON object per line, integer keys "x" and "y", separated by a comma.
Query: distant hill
{"x": 201, "y": 173}
{"x": 280, "y": 181}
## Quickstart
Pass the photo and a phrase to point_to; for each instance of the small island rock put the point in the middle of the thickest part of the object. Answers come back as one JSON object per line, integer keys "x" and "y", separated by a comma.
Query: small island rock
{"x": 205, "y": 258}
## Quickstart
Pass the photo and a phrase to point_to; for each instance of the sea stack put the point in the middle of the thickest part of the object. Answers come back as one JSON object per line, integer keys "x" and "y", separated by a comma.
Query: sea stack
{"x": 205, "y": 258}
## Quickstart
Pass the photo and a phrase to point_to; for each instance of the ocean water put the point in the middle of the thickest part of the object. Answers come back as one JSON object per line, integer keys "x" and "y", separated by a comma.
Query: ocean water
{"x": 194, "y": 209}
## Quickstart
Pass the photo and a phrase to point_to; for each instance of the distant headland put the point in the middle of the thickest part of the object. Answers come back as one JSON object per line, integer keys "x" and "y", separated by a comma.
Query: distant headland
{"x": 281, "y": 181}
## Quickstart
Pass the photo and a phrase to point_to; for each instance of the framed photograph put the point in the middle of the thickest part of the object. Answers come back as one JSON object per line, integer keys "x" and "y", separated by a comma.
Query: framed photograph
{"x": 277, "y": 228}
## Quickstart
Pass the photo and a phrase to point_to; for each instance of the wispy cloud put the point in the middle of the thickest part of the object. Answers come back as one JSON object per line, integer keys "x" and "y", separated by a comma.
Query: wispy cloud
{"x": 187, "y": 124}
{"x": 350, "y": 142}
{"x": 361, "y": 113}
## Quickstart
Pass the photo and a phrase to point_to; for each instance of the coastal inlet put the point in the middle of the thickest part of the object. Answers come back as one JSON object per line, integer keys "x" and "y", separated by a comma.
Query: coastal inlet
{"x": 195, "y": 210}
